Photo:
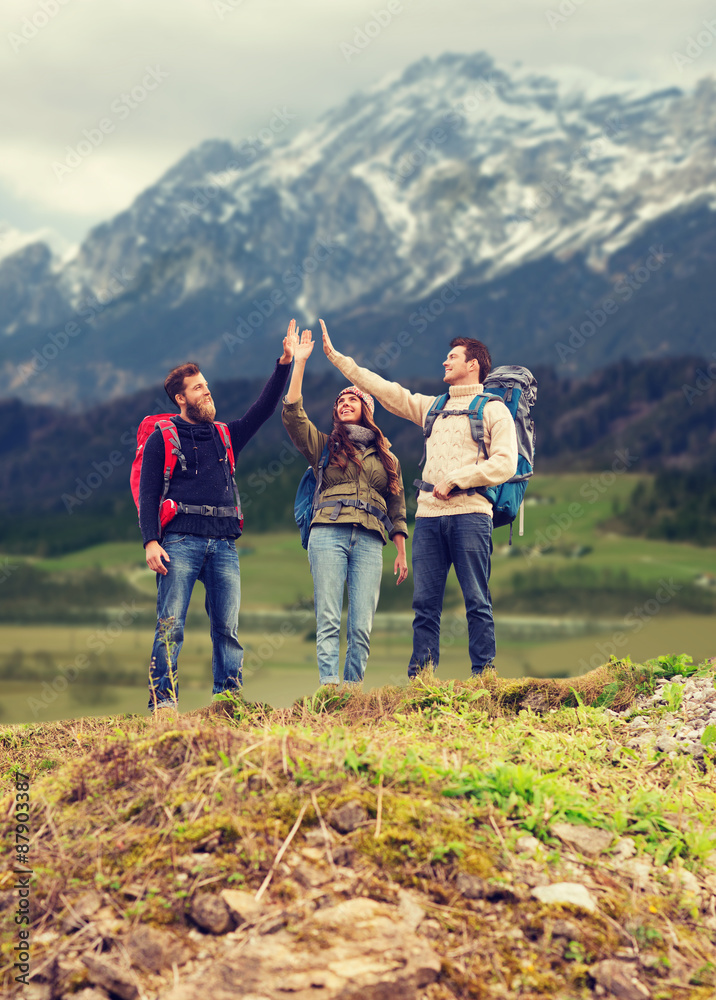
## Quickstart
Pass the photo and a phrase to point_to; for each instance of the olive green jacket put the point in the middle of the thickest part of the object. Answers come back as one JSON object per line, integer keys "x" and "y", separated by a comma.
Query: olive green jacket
{"x": 368, "y": 482}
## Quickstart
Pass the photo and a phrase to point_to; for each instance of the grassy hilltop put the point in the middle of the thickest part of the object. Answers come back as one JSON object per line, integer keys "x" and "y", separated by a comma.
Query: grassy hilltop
{"x": 401, "y": 844}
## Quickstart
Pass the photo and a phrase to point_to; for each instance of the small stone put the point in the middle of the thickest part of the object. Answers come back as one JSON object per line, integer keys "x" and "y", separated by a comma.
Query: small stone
{"x": 195, "y": 862}
{"x": 345, "y": 917}
{"x": 317, "y": 838}
{"x": 314, "y": 854}
{"x": 650, "y": 961}
{"x": 587, "y": 839}
{"x": 570, "y": 893}
{"x": 566, "y": 929}
{"x": 84, "y": 907}
{"x": 624, "y": 849}
{"x": 343, "y": 856}
{"x": 619, "y": 978}
{"x": 153, "y": 949}
{"x": 473, "y": 887}
{"x": 347, "y": 817}
{"x": 688, "y": 881}
{"x": 640, "y": 742}
{"x": 111, "y": 978}
{"x": 639, "y": 869}
{"x": 211, "y": 913}
{"x": 666, "y": 744}
{"x": 470, "y": 886}
{"x": 311, "y": 877}
{"x": 410, "y": 910}
{"x": 527, "y": 845}
{"x": 133, "y": 891}
{"x": 243, "y": 906}
{"x": 274, "y": 924}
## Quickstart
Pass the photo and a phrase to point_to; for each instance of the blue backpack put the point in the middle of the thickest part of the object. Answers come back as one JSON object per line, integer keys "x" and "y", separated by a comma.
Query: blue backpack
{"x": 517, "y": 388}
{"x": 306, "y": 496}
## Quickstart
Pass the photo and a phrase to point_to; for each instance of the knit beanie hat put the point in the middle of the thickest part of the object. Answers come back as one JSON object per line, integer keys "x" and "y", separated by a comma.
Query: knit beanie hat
{"x": 367, "y": 399}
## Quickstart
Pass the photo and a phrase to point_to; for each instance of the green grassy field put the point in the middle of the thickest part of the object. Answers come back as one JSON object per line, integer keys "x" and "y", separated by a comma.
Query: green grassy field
{"x": 562, "y": 535}
{"x": 561, "y": 517}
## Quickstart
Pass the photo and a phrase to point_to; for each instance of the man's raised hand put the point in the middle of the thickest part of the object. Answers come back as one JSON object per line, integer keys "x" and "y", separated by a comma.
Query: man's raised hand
{"x": 289, "y": 343}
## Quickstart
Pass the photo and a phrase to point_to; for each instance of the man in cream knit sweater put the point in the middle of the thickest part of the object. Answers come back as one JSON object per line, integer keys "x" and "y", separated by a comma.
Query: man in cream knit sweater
{"x": 453, "y": 525}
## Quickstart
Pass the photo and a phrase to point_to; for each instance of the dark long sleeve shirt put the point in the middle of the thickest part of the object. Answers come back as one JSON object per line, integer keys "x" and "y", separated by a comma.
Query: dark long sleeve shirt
{"x": 207, "y": 479}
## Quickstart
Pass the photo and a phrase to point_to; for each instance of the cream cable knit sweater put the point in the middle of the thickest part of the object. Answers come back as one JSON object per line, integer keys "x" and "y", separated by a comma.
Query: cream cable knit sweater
{"x": 452, "y": 454}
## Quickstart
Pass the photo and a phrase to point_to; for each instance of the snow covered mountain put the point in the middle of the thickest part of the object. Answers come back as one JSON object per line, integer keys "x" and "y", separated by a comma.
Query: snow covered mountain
{"x": 458, "y": 198}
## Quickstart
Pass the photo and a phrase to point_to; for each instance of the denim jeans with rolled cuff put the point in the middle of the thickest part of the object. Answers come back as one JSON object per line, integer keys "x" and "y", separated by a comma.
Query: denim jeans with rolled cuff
{"x": 465, "y": 542}
{"x": 340, "y": 555}
{"x": 215, "y": 562}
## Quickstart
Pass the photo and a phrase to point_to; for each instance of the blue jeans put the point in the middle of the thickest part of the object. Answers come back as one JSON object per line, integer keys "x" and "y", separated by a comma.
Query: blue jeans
{"x": 340, "y": 554}
{"x": 465, "y": 541}
{"x": 215, "y": 562}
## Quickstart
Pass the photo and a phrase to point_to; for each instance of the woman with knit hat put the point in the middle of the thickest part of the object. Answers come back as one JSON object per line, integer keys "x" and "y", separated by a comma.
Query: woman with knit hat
{"x": 361, "y": 504}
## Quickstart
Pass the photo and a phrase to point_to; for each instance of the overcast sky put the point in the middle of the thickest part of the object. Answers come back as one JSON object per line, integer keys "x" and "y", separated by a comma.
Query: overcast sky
{"x": 163, "y": 75}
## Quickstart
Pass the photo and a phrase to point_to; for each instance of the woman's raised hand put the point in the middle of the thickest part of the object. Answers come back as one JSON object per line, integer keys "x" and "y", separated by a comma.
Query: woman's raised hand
{"x": 303, "y": 348}
{"x": 327, "y": 345}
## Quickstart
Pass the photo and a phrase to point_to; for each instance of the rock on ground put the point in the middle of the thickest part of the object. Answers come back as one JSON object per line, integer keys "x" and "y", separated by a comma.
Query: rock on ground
{"x": 361, "y": 949}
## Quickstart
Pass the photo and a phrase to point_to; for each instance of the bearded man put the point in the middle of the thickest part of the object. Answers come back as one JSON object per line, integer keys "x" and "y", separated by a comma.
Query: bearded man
{"x": 199, "y": 542}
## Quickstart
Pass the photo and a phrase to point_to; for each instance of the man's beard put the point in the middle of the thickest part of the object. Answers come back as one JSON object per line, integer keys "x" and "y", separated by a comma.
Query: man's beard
{"x": 201, "y": 413}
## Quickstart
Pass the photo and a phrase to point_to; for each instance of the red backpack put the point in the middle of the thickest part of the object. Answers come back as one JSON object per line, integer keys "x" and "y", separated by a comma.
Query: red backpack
{"x": 173, "y": 454}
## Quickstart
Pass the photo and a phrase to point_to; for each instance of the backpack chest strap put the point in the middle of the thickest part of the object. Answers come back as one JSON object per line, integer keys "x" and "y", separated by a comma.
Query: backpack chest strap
{"x": 339, "y": 502}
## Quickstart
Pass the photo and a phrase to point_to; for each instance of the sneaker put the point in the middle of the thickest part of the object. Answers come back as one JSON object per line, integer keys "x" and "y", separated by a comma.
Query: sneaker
{"x": 477, "y": 671}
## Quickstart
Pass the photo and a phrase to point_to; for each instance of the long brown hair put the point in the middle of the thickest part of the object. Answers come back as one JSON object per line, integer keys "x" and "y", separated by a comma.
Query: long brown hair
{"x": 343, "y": 450}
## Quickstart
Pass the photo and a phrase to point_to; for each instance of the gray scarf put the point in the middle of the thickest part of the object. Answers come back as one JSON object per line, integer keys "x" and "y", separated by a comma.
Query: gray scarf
{"x": 360, "y": 436}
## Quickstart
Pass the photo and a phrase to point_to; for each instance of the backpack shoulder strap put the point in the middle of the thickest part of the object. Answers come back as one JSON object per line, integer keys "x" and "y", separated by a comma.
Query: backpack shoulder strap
{"x": 430, "y": 417}
{"x": 223, "y": 430}
{"x": 225, "y": 435}
{"x": 432, "y": 414}
{"x": 476, "y": 416}
{"x": 322, "y": 463}
{"x": 172, "y": 450}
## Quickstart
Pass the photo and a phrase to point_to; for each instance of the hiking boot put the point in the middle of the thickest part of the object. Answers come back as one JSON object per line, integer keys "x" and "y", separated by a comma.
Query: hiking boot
{"x": 478, "y": 671}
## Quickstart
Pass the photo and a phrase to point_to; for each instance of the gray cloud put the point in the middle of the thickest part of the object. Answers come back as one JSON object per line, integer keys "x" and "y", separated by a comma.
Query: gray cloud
{"x": 228, "y": 63}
